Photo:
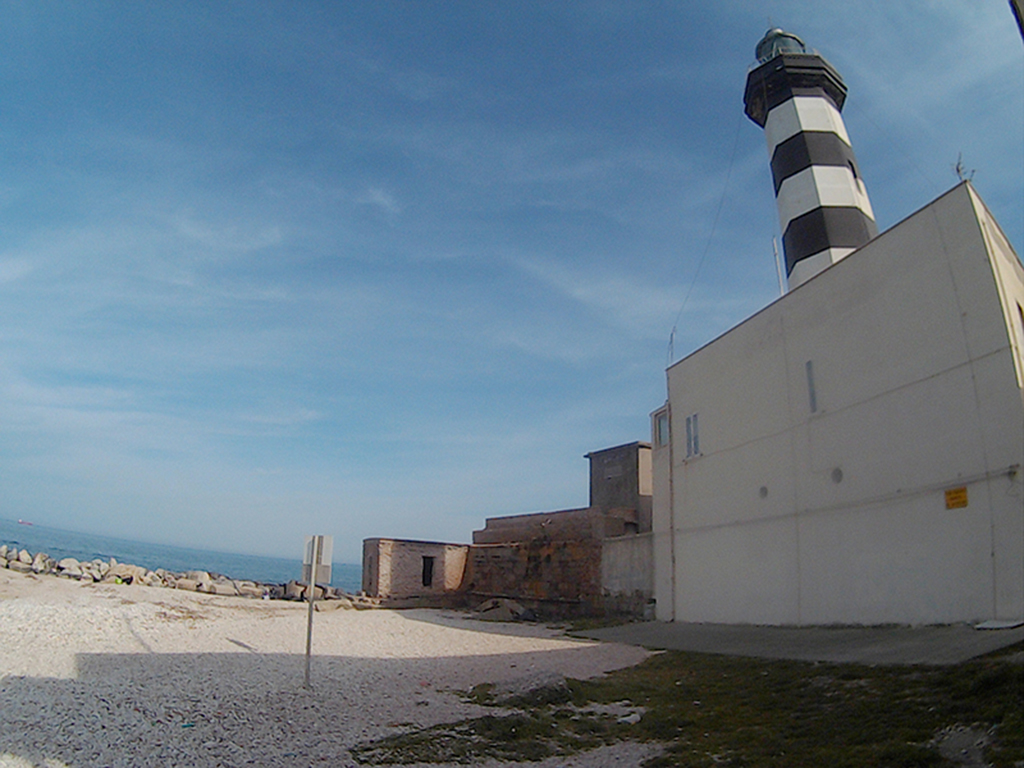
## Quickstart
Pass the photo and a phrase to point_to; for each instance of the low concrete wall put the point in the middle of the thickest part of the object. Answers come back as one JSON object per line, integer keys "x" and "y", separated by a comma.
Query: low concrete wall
{"x": 627, "y": 573}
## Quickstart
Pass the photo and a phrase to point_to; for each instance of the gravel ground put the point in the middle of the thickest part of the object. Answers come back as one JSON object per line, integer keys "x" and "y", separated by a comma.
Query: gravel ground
{"x": 108, "y": 675}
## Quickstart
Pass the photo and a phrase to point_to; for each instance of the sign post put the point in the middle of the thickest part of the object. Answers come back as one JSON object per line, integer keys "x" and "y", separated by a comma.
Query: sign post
{"x": 316, "y": 567}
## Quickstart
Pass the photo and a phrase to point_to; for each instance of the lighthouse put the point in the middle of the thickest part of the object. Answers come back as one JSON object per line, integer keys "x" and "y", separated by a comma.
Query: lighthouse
{"x": 824, "y": 211}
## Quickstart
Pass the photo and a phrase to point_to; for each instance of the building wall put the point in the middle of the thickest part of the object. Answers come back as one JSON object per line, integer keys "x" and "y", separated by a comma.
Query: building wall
{"x": 831, "y": 425}
{"x": 620, "y": 478}
{"x": 395, "y": 567}
{"x": 663, "y": 530}
{"x": 627, "y": 575}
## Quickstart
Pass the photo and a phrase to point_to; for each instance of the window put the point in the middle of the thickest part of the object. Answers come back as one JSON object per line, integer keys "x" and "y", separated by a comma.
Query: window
{"x": 661, "y": 429}
{"x": 812, "y": 396}
{"x": 428, "y": 571}
{"x": 692, "y": 436}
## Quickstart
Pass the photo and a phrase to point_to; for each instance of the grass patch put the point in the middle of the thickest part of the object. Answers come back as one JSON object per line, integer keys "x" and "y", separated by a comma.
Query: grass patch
{"x": 519, "y": 736}
{"x": 724, "y": 711}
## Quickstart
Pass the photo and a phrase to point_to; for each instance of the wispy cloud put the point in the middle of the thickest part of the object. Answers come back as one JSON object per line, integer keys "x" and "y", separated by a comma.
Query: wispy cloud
{"x": 229, "y": 237}
{"x": 379, "y": 198}
{"x": 638, "y": 306}
{"x": 414, "y": 259}
{"x": 14, "y": 269}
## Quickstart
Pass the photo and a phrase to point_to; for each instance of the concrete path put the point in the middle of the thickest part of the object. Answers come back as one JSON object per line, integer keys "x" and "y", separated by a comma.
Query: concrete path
{"x": 948, "y": 644}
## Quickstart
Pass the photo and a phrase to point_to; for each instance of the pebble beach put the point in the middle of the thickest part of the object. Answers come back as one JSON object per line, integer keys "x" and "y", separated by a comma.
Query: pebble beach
{"x": 99, "y": 674}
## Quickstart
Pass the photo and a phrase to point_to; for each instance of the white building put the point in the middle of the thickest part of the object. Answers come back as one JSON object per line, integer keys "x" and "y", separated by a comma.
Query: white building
{"x": 852, "y": 453}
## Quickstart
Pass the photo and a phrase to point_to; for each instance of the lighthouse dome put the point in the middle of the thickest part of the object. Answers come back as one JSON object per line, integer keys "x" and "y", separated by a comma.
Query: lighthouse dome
{"x": 776, "y": 41}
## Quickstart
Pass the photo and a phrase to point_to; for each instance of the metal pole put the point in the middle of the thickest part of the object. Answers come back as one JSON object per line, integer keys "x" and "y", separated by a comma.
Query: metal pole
{"x": 311, "y": 596}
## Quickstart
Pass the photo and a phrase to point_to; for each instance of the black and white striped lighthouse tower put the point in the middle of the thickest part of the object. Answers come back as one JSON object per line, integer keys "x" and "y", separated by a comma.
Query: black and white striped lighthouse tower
{"x": 824, "y": 211}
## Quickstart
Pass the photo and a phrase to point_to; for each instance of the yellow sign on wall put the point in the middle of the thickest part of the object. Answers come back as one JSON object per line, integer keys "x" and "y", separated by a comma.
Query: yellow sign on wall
{"x": 956, "y": 498}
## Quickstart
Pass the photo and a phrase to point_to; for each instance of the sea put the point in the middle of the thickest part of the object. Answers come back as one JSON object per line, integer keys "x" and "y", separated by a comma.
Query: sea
{"x": 58, "y": 543}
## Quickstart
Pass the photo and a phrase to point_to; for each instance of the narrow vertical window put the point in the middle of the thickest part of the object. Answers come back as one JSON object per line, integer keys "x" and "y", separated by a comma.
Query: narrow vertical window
{"x": 661, "y": 429}
{"x": 692, "y": 436}
{"x": 812, "y": 397}
{"x": 428, "y": 571}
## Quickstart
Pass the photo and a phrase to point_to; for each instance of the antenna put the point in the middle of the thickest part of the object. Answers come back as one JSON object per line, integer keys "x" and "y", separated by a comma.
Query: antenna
{"x": 960, "y": 170}
{"x": 711, "y": 237}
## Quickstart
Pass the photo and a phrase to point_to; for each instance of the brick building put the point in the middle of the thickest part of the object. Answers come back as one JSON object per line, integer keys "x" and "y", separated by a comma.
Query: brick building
{"x": 587, "y": 560}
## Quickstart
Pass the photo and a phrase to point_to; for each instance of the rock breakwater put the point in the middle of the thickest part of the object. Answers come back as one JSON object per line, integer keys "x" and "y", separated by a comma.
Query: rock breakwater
{"x": 111, "y": 571}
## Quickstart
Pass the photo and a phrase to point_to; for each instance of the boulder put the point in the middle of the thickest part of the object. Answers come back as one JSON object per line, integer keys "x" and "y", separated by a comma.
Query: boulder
{"x": 201, "y": 577}
{"x": 185, "y": 583}
{"x": 25, "y": 557}
{"x": 296, "y": 590}
{"x": 219, "y": 588}
{"x": 364, "y": 603}
{"x": 248, "y": 589}
{"x": 340, "y": 603}
{"x": 169, "y": 578}
{"x": 69, "y": 563}
{"x": 535, "y": 690}
{"x": 500, "y": 609}
{"x": 71, "y": 571}
{"x": 129, "y": 574}
{"x": 42, "y": 563}
{"x": 320, "y": 595}
{"x": 20, "y": 567}
{"x": 3, "y": 551}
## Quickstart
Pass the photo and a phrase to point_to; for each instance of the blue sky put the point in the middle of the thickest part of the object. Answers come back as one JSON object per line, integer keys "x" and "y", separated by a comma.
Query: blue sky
{"x": 270, "y": 269}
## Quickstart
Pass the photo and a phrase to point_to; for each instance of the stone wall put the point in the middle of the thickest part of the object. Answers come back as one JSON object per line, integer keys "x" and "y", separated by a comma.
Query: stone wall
{"x": 564, "y": 525}
{"x": 567, "y": 572}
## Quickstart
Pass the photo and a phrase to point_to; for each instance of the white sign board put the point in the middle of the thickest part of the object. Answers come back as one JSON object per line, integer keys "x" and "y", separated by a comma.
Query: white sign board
{"x": 323, "y": 564}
